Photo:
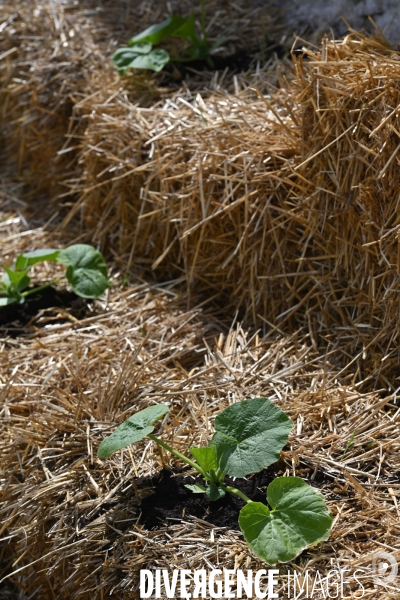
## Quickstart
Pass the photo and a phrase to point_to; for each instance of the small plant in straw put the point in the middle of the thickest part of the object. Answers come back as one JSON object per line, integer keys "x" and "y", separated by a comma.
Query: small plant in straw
{"x": 140, "y": 54}
{"x": 86, "y": 273}
{"x": 249, "y": 436}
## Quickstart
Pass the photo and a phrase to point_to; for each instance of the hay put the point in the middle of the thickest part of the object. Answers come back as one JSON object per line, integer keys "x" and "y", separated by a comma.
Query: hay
{"x": 284, "y": 206}
{"x": 42, "y": 68}
{"x": 349, "y": 166}
{"x": 53, "y": 54}
{"x": 71, "y": 523}
{"x": 288, "y": 200}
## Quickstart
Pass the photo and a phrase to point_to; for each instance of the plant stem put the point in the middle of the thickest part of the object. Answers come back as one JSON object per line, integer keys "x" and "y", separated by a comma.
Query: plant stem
{"x": 203, "y": 22}
{"x": 177, "y": 454}
{"x": 220, "y": 475}
{"x": 237, "y": 492}
{"x": 41, "y": 287}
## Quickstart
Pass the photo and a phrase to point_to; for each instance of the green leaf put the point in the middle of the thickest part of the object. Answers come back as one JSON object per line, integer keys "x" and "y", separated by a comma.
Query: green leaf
{"x": 155, "y": 60}
{"x": 206, "y": 457}
{"x": 187, "y": 30}
{"x": 299, "y": 518}
{"x": 136, "y": 48}
{"x": 16, "y": 280}
{"x": 86, "y": 270}
{"x": 215, "y": 492}
{"x": 82, "y": 256}
{"x": 249, "y": 436}
{"x": 27, "y": 259}
{"x": 196, "y": 488}
{"x": 132, "y": 430}
{"x": 123, "y": 57}
{"x": 87, "y": 283}
{"x": 157, "y": 33}
{"x": 136, "y": 58}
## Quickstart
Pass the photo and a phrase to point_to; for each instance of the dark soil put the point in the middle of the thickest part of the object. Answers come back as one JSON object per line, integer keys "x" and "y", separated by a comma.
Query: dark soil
{"x": 238, "y": 62}
{"x": 15, "y": 318}
{"x": 172, "y": 501}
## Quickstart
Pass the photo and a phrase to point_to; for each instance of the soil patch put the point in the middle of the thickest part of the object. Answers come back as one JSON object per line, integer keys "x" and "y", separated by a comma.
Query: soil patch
{"x": 172, "y": 501}
{"x": 238, "y": 62}
{"x": 16, "y": 317}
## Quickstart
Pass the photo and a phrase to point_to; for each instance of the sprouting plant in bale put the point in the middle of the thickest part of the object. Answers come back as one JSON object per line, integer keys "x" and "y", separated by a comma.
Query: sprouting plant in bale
{"x": 86, "y": 273}
{"x": 249, "y": 436}
{"x": 141, "y": 54}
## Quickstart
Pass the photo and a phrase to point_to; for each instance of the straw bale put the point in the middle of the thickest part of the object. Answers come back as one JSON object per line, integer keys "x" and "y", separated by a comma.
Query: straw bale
{"x": 289, "y": 200}
{"x": 144, "y": 336}
{"x": 54, "y": 53}
{"x": 48, "y": 55}
{"x": 70, "y": 524}
{"x": 349, "y": 94}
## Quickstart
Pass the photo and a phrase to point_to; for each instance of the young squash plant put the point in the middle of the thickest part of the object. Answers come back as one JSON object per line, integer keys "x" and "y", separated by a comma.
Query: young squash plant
{"x": 249, "y": 436}
{"x": 140, "y": 54}
{"x": 86, "y": 273}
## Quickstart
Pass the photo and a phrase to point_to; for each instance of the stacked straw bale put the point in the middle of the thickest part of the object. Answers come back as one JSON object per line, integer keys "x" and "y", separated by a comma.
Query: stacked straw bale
{"x": 284, "y": 207}
{"x": 348, "y": 194}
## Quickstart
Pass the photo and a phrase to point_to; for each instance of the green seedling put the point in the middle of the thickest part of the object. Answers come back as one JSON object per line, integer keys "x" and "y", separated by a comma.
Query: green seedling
{"x": 86, "y": 273}
{"x": 140, "y": 54}
{"x": 370, "y": 444}
{"x": 249, "y": 436}
{"x": 349, "y": 443}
